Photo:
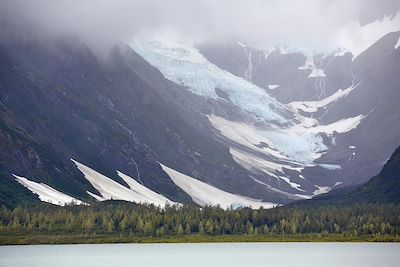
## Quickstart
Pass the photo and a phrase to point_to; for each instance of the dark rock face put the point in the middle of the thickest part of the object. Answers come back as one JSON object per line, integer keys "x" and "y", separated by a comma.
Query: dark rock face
{"x": 376, "y": 97}
{"x": 382, "y": 188}
{"x": 59, "y": 101}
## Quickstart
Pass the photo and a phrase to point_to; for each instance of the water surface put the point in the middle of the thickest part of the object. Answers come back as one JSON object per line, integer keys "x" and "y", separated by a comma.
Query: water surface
{"x": 222, "y": 254}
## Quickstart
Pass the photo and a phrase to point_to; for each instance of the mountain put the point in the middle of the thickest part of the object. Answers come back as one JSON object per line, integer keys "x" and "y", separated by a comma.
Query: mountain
{"x": 382, "y": 188}
{"x": 60, "y": 101}
{"x": 331, "y": 88}
{"x": 161, "y": 121}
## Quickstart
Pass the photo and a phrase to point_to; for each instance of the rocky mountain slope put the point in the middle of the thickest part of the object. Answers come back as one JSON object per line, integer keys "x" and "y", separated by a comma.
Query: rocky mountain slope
{"x": 184, "y": 124}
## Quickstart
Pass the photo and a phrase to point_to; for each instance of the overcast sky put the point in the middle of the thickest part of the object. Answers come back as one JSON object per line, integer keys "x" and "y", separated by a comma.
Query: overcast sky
{"x": 260, "y": 23}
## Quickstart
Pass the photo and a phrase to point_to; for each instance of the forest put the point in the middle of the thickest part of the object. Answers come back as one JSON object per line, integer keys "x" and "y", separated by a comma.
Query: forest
{"x": 117, "y": 221}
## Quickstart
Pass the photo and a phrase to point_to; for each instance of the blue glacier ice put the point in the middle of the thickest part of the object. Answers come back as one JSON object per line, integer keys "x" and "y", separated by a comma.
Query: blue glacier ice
{"x": 185, "y": 65}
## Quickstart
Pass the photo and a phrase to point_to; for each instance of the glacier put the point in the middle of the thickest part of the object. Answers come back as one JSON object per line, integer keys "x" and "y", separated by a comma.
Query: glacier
{"x": 186, "y": 66}
{"x": 276, "y": 139}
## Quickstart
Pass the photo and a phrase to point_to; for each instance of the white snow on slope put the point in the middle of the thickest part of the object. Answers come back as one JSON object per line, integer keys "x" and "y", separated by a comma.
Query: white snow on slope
{"x": 186, "y": 66}
{"x": 47, "y": 193}
{"x": 245, "y": 135}
{"x": 317, "y": 73}
{"x": 208, "y": 195}
{"x": 356, "y": 38}
{"x": 341, "y": 126}
{"x": 149, "y": 194}
{"x": 253, "y": 163}
{"x": 397, "y": 45}
{"x": 110, "y": 189}
{"x": 294, "y": 144}
{"x": 273, "y": 86}
{"x": 330, "y": 166}
{"x": 321, "y": 190}
{"x": 292, "y": 184}
{"x": 313, "y": 106}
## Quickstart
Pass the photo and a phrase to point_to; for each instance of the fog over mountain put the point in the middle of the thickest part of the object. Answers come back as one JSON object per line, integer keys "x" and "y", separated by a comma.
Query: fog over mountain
{"x": 316, "y": 25}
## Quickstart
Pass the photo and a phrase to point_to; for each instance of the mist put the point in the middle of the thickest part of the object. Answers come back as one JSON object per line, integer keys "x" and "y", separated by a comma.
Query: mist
{"x": 315, "y": 24}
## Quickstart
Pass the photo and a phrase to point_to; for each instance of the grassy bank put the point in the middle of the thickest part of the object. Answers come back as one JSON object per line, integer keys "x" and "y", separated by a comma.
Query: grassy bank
{"x": 34, "y": 239}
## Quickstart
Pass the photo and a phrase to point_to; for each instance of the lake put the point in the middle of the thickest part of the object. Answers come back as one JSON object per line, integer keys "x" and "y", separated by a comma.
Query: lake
{"x": 216, "y": 254}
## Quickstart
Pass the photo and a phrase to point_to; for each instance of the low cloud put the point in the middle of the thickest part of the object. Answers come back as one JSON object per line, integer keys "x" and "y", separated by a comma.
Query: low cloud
{"x": 316, "y": 24}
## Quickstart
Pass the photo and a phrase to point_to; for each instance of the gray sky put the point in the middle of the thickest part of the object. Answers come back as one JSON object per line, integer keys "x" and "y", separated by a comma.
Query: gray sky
{"x": 261, "y": 23}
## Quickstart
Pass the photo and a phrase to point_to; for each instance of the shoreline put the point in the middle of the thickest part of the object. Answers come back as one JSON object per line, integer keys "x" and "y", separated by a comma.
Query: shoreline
{"x": 6, "y": 240}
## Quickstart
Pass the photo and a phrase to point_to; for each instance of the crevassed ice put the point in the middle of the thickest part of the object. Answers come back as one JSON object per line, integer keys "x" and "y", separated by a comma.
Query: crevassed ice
{"x": 185, "y": 65}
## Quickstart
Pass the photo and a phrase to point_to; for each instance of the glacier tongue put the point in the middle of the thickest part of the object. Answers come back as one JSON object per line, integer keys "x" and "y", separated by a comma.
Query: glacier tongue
{"x": 185, "y": 65}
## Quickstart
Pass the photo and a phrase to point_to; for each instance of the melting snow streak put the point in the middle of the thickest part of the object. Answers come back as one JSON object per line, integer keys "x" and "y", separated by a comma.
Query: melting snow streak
{"x": 111, "y": 190}
{"x": 47, "y": 193}
{"x": 207, "y": 195}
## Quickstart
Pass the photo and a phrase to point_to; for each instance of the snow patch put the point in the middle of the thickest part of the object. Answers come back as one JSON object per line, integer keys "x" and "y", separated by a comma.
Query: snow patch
{"x": 111, "y": 190}
{"x": 317, "y": 73}
{"x": 47, "y": 193}
{"x": 337, "y": 183}
{"x": 273, "y": 86}
{"x": 292, "y": 184}
{"x": 397, "y": 45}
{"x": 207, "y": 195}
{"x": 341, "y": 126}
{"x": 98, "y": 198}
{"x": 313, "y": 106}
{"x": 330, "y": 166}
{"x": 151, "y": 196}
{"x": 321, "y": 190}
{"x": 241, "y": 44}
{"x": 254, "y": 163}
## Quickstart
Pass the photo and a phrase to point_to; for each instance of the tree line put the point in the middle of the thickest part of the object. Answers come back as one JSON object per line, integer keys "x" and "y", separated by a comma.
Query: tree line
{"x": 131, "y": 219}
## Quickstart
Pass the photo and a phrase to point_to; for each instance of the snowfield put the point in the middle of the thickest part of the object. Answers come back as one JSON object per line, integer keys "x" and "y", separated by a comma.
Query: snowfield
{"x": 47, "y": 193}
{"x": 367, "y": 34}
{"x": 314, "y": 106}
{"x": 273, "y": 86}
{"x": 208, "y": 195}
{"x": 111, "y": 190}
{"x": 151, "y": 196}
{"x": 397, "y": 45}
